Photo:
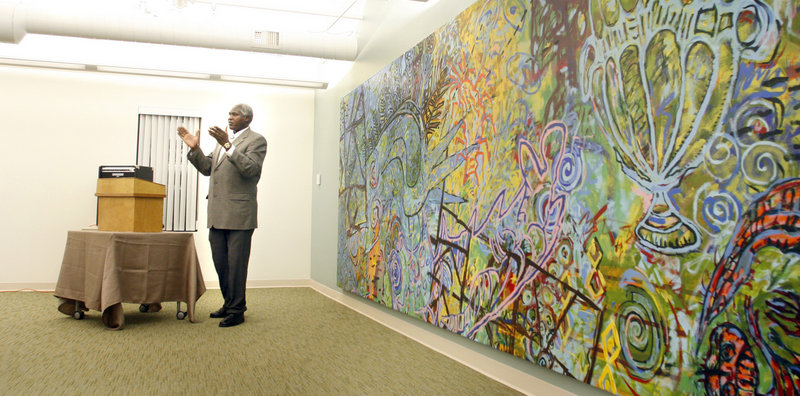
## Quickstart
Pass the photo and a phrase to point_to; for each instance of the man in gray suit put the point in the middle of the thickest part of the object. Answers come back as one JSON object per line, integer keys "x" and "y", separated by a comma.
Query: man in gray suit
{"x": 235, "y": 168}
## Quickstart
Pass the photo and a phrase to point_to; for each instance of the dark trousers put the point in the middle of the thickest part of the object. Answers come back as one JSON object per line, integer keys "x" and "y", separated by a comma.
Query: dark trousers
{"x": 230, "y": 250}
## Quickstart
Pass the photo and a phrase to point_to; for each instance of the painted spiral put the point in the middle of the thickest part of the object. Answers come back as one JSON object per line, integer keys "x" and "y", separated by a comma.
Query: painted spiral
{"x": 642, "y": 334}
{"x": 395, "y": 273}
{"x": 722, "y": 156}
{"x": 720, "y": 208}
{"x": 570, "y": 171}
{"x": 763, "y": 164}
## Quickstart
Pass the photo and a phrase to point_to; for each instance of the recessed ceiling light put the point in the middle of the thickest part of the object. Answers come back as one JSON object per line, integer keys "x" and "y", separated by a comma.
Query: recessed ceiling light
{"x": 276, "y": 81}
{"x": 148, "y": 72}
{"x": 38, "y": 63}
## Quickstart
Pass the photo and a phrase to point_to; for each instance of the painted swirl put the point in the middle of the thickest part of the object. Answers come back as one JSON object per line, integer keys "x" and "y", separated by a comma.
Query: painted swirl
{"x": 641, "y": 332}
{"x": 720, "y": 208}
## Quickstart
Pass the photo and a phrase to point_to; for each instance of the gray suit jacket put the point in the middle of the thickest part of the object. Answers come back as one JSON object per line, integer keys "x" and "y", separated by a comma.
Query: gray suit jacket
{"x": 232, "y": 188}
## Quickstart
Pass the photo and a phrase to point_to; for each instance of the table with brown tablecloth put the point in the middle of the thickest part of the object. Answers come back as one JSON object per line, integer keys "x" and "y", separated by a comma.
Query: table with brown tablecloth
{"x": 102, "y": 269}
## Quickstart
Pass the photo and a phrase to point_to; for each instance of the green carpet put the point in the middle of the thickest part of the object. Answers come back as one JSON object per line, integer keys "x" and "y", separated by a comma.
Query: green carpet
{"x": 295, "y": 341}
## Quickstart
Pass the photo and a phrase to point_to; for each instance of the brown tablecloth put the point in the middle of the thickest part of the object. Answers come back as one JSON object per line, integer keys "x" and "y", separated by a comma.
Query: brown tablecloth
{"x": 103, "y": 269}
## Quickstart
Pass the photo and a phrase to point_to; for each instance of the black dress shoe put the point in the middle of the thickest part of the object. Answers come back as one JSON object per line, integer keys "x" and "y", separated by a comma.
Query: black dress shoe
{"x": 232, "y": 320}
{"x": 220, "y": 313}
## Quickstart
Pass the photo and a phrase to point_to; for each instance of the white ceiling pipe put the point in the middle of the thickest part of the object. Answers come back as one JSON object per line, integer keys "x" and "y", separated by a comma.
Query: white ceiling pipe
{"x": 102, "y": 20}
{"x": 9, "y": 33}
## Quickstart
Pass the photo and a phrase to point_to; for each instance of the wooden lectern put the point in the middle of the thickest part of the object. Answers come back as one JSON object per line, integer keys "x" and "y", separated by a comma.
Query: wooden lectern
{"x": 129, "y": 204}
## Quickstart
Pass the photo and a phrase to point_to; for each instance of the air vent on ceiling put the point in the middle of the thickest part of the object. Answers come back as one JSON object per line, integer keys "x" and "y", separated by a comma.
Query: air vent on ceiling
{"x": 265, "y": 39}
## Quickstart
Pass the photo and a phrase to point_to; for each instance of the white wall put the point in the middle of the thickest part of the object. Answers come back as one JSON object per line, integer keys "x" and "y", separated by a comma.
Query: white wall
{"x": 397, "y": 26}
{"x": 59, "y": 126}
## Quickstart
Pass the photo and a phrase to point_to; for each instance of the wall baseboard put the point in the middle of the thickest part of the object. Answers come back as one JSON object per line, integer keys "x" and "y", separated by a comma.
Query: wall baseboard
{"x": 257, "y": 283}
{"x": 28, "y": 286}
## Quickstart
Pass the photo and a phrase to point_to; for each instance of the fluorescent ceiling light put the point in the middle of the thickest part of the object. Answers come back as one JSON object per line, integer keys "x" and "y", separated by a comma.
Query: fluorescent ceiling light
{"x": 162, "y": 57}
{"x": 275, "y": 81}
{"x": 149, "y": 72}
{"x": 38, "y": 63}
{"x": 171, "y": 60}
{"x": 165, "y": 73}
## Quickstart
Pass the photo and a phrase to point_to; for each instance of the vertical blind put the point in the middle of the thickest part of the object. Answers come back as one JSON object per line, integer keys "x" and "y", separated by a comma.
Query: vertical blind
{"x": 160, "y": 147}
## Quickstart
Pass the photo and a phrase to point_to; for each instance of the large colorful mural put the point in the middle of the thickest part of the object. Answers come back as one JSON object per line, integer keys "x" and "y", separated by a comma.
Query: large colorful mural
{"x": 606, "y": 188}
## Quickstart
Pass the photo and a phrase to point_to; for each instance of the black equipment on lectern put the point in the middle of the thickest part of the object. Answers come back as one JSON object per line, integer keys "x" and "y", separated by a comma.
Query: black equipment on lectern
{"x": 137, "y": 171}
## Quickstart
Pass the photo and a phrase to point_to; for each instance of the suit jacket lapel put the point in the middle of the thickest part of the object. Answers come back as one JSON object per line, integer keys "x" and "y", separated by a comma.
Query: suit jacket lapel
{"x": 242, "y": 137}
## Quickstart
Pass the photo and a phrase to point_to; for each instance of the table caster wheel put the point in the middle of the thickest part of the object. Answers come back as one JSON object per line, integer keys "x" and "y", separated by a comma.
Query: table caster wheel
{"x": 143, "y": 308}
{"x": 78, "y": 315}
{"x": 180, "y": 315}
